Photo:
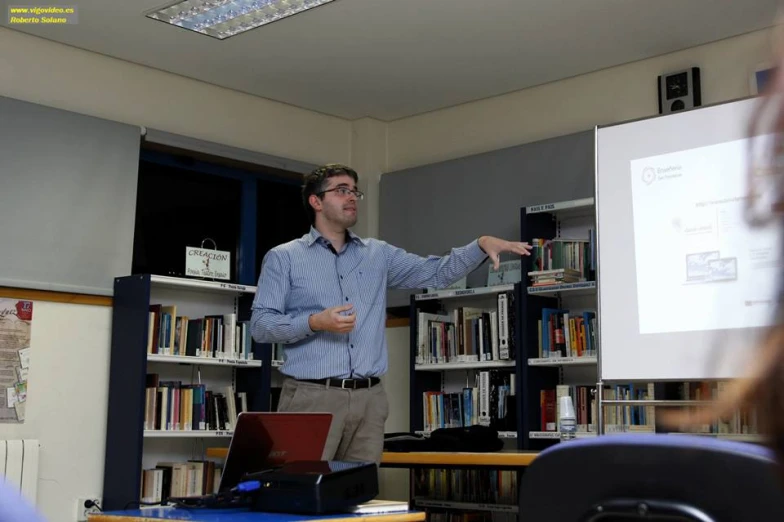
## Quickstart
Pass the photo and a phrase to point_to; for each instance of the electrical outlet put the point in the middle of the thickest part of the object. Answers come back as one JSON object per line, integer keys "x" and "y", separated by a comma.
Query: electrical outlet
{"x": 82, "y": 510}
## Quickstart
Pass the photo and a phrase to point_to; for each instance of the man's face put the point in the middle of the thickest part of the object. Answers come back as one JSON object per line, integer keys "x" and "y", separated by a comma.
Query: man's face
{"x": 339, "y": 208}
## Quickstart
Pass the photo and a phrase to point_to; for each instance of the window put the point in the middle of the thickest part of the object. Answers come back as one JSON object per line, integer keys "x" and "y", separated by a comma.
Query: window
{"x": 177, "y": 206}
{"x": 280, "y": 216}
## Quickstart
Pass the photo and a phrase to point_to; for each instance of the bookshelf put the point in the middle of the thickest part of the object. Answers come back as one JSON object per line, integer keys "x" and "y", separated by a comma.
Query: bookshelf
{"x": 140, "y": 433}
{"x": 451, "y": 370}
{"x": 558, "y": 310}
{"x": 629, "y": 410}
{"x": 464, "y": 347}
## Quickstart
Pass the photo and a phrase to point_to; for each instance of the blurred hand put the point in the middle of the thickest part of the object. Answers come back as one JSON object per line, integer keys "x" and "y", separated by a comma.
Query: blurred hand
{"x": 333, "y": 320}
{"x": 494, "y": 247}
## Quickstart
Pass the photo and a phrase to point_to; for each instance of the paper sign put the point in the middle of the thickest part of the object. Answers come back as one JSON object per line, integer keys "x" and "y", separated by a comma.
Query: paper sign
{"x": 11, "y": 396}
{"x": 24, "y": 357}
{"x": 509, "y": 272}
{"x": 212, "y": 264}
{"x": 20, "y": 408}
{"x": 21, "y": 391}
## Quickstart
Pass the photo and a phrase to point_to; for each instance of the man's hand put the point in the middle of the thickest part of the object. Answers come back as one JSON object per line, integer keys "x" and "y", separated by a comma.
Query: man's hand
{"x": 333, "y": 320}
{"x": 493, "y": 247}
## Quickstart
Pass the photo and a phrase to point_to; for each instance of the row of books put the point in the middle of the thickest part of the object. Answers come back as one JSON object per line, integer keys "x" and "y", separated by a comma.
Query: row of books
{"x": 216, "y": 336}
{"x": 468, "y": 334}
{"x": 477, "y": 486}
{"x": 557, "y": 276}
{"x": 174, "y": 406}
{"x": 564, "y": 333}
{"x": 742, "y": 421}
{"x": 179, "y": 479}
{"x": 631, "y": 418}
{"x": 491, "y": 403}
{"x": 469, "y": 516}
{"x": 577, "y": 255}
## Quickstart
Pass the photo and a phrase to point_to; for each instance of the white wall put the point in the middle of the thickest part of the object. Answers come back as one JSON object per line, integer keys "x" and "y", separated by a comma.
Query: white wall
{"x": 40, "y": 71}
{"x": 576, "y": 104}
{"x": 66, "y": 403}
{"x": 394, "y": 483}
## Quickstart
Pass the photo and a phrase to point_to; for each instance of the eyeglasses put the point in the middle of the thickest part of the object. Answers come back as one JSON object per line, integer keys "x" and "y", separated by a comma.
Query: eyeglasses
{"x": 344, "y": 192}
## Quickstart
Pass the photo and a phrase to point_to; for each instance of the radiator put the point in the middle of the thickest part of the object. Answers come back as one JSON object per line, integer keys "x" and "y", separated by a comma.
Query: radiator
{"x": 19, "y": 466}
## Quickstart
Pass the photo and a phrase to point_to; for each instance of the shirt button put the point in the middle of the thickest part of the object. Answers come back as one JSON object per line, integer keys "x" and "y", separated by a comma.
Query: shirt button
{"x": 341, "y": 277}
{"x": 352, "y": 345}
{"x": 346, "y": 298}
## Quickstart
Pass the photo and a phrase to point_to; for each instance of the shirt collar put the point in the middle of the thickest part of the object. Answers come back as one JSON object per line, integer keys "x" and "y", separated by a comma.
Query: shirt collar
{"x": 314, "y": 236}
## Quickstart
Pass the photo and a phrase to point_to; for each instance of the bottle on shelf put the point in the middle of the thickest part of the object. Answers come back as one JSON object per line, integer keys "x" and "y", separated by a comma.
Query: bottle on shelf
{"x": 568, "y": 419}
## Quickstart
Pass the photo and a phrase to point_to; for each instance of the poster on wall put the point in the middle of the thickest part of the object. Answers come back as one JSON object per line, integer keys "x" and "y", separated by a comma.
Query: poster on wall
{"x": 16, "y": 318}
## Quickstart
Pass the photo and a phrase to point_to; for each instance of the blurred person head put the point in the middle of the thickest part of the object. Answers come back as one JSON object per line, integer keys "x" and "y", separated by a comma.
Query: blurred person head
{"x": 762, "y": 388}
{"x": 14, "y": 507}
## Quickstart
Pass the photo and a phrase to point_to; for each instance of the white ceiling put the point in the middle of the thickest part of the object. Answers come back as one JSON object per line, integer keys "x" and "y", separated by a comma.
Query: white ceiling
{"x": 388, "y": 59}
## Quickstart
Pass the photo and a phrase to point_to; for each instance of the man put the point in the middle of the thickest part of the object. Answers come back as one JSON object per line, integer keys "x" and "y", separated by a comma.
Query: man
{"x": 324, "y": 297}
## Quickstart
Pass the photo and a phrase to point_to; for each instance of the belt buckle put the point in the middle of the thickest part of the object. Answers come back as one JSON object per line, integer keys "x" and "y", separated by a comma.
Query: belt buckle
{"x": 343, "y": 383}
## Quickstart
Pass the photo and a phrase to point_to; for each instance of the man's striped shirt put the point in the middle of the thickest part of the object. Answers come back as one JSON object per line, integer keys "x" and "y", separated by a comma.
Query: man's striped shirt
{"x": 305, "y": 276}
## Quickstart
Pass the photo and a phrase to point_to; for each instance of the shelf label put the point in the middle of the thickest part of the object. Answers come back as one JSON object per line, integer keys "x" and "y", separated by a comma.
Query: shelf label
{"x": 541, "y": 208}
{"x": 561, "y": 287}
{"x": 232, "y": 286}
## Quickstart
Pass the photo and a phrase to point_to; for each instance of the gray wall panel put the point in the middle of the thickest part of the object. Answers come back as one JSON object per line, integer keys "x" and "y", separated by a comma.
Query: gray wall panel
{"x": 67, "y": 198}
{"x": 432, "y": 208}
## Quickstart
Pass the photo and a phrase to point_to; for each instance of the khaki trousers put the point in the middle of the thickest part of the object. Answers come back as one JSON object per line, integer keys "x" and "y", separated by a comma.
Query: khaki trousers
{"x": 358, "y": 417}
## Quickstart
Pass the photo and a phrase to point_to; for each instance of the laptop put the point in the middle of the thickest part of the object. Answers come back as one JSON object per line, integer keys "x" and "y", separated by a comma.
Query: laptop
{"x": 267, "y": 440}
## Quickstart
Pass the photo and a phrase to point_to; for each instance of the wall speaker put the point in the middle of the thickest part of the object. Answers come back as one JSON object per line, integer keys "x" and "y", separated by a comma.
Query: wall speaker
{"x": 679, "y": 90}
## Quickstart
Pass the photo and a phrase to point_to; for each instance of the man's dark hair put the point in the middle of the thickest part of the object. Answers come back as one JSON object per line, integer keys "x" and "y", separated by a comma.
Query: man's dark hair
{"x": 316, "y": 183}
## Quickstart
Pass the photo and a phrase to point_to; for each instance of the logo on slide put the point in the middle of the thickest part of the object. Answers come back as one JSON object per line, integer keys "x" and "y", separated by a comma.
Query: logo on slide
{"x": 648, "y": 175}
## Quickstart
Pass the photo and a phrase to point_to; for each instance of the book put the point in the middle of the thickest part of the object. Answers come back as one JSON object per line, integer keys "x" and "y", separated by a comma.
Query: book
{"x": 377, "y": 507}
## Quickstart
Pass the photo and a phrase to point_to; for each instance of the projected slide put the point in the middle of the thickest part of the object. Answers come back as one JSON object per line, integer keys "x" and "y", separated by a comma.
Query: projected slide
{"x": 699, "y": 265}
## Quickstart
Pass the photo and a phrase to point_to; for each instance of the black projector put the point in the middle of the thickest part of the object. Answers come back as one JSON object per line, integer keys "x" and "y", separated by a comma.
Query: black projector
{"x": 314, "y": 487}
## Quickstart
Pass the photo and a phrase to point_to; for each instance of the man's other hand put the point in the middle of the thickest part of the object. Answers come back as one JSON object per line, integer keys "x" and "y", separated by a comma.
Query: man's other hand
{"x": 333, "y": 320}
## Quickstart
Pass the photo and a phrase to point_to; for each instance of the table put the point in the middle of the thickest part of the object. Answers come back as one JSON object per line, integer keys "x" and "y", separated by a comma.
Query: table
{"x": 508, "y": 459}
{"x": 243, "y": 515}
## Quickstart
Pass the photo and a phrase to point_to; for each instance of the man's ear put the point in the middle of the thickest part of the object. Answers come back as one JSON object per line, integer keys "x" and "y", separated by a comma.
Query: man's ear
{"x": 315, "y": 202}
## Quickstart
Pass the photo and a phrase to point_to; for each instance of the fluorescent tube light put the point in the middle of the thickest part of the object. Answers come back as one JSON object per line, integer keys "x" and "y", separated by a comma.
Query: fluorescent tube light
{"x": 224, "y": 18}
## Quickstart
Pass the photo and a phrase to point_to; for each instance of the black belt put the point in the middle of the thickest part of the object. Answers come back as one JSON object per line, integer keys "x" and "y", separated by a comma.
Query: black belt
{"x": 351, "y": 384}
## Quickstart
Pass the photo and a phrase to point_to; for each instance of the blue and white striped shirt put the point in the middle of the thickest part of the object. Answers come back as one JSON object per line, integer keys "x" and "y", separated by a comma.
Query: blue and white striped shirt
{"x": 305, "y": 276}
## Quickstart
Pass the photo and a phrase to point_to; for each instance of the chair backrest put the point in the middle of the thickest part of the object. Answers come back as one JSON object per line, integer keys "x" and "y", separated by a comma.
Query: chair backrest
{"x": 615, "y": 478}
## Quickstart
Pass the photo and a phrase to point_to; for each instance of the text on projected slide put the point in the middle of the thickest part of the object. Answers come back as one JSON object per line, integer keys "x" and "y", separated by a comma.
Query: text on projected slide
{"x": 699, "y": 265}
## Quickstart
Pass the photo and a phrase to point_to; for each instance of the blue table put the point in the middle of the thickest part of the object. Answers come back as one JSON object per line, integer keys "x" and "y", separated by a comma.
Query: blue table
{"x": 242, "y": 515}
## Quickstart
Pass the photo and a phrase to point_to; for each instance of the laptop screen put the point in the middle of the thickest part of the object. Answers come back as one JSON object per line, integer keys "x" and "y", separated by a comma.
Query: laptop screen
{"x": 265, "y": 440}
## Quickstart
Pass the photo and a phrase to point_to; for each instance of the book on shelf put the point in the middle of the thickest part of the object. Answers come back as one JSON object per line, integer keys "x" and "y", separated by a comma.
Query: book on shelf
{"x": 562, "y": 333}
{"x": 213, "y": 336}
{"x": 742, "y": 421}
{"x": 174, "y": 406}
{"x": 469, "y": 495}
{"x": 468, "y": 334}
{"x": 179, "y": 479}
{"x": 490, "y": 403}
{"x": 574, "y": 258}
{"x": 631, "y": 418}
{"x": 556, "y": 276}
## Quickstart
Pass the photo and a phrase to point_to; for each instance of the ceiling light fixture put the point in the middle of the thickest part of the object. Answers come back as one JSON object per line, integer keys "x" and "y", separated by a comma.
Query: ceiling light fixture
{"x": 224, "y": 18}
